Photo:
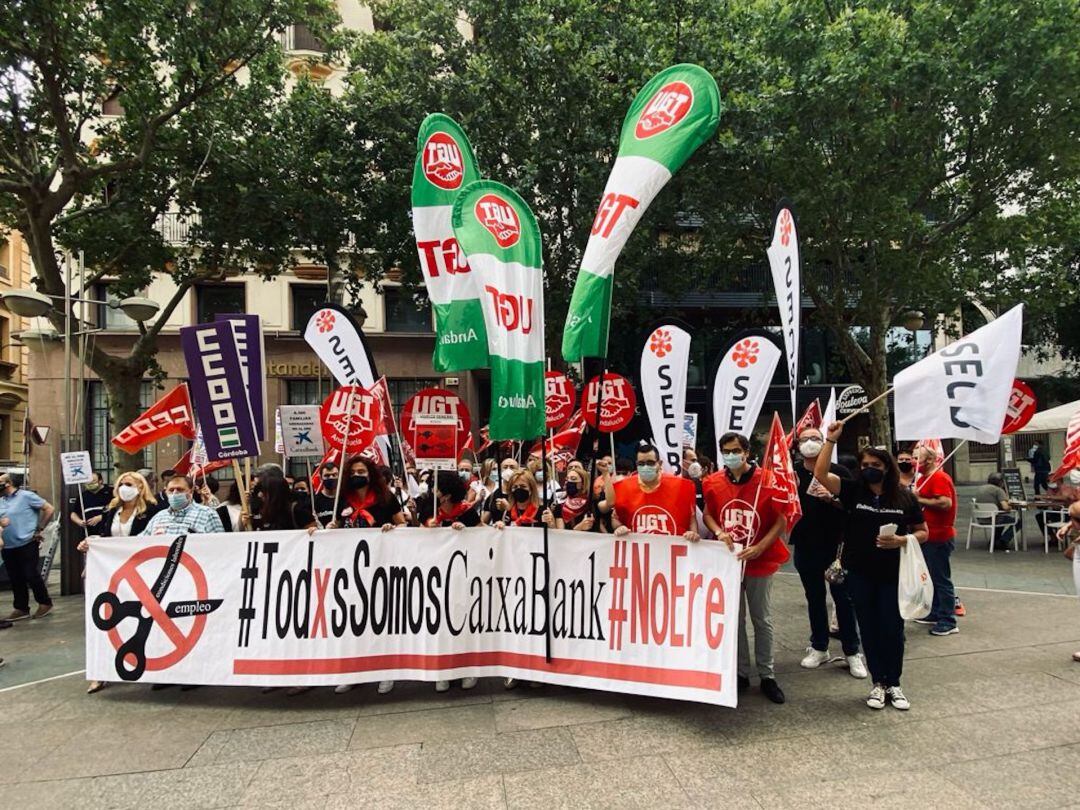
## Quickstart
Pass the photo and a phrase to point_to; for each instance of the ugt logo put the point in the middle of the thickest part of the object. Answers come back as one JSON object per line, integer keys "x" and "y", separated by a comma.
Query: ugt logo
{"x": 442, "y": 162}
{"x": 740, "y": 521}
{"x": 159, "y": 635}
{"x": 653, "y": 519}
{"x": 500, "y": 218}
{"x": 668, "y": 106}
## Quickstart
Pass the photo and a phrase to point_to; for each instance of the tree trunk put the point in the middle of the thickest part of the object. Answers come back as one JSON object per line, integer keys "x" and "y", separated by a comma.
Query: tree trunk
{"x": 123, "y": 382}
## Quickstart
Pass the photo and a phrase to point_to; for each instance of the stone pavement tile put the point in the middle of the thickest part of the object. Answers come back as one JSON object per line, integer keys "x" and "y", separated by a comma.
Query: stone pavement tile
{"x": 481, "y": 792}
{"x": 1031, "y": 779}
{"x": 412, "y": 696}
{"x": 274, "y": 742}
{"x": 181, "y": 788}
{"x": 58, "y": 793}
{"x": 1020, "y": 689}
{"x": 685, "y": 727}
{"x": 33, "y": 747}
{"x": 430, "y": 725}
{"x": 352, "y": 773}
{"x": 893, "y": 787}
{"x": 277, "y": 709}
{"x": 565, "y": 709}
{"x": 638, "y": 782}
{"x": 1013, "y": 731}
{"x": 158, "y": 741}
{"x": 501, "y": 754}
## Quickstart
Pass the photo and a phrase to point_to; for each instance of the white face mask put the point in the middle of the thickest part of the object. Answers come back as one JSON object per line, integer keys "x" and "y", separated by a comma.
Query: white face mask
{"x": 423, "y": 488}
{"x": 507, "y": 474}
{"x": 694, "y": 470}
{"x": 810, "y": 448}
{"x": 127, "y": 492}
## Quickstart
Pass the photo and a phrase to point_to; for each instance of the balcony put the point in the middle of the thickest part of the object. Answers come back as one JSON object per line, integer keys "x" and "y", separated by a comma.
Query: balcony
{"x": 299, "y": 39}
{"x": 175, "y": 227}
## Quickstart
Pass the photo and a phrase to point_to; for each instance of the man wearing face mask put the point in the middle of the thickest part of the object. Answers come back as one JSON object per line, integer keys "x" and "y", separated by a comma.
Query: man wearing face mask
{"x": 183, "y": 515}
{"x": 937, "y": 497}
{"x": 728, "y": 493}
{"x": 23, "y": 516}
{"x": 816, "y": 539}
{"x": 95, "y": 498}
{"x": 651, "y": 502}
{"x": 324, "y": 498}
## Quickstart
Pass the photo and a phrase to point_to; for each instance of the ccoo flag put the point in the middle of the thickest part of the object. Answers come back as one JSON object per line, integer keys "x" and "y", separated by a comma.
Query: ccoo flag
{"x": 501, "y": 241}
{"x": 445, "y": 164}
{"x": 676, "y": 112}
{"x": 963, "y": 390}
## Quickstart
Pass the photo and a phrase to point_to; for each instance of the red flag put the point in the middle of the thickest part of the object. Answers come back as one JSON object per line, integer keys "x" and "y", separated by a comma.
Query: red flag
{"x": 1070, "y": 459}
{"x": 562, "y": 448}
{"x": 468, "y": 443}
{"x": 777, "y": 460}
{"x": 811, "y": 418}
{"x": 184, "y": 466}
{"x": 381, "y": 390}
{"x": 168, "y": 416}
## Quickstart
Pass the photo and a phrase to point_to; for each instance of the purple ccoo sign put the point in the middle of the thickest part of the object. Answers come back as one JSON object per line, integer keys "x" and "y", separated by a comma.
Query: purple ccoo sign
{"x": 249, "y": 345}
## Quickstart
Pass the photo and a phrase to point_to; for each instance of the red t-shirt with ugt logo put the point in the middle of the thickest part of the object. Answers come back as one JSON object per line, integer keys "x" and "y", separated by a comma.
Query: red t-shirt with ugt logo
{"x": 746, "y": 510}
{"x": 665, "y": 510}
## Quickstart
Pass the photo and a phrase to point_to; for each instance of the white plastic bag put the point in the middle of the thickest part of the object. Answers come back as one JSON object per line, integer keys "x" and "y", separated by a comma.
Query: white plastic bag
{"x": 915, "y": 590}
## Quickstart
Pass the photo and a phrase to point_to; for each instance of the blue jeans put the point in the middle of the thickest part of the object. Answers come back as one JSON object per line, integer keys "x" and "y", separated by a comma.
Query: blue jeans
{"x": 937, "y": 556}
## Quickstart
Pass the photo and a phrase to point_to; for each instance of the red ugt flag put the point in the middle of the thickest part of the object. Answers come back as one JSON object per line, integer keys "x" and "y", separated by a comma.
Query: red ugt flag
{"x": 811, "y": 418}
{"x": 785, "y": 481}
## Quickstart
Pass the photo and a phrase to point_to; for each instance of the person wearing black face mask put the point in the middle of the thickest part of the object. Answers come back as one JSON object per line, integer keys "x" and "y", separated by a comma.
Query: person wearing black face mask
{"x": 324, "y": 496}
{"x": 906, "y": 464}
{"x": 366, "y": 501}
{"x": 576, "y": 511}
{"x": 525, "y": 507}
{"x": 872, "y": 558}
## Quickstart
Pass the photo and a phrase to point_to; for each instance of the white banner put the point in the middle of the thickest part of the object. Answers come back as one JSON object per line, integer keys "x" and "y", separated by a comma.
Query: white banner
{"x": 664, "y": 361}
{"x": 301, "y": 431}
{"x": 77, "y": 467}
{"x": 334, "y": 335}
{"x": 963, "y": 390}
{"x": 742, "y": 380}
{"x": 827, "y": 419}
{"x": 641, "y": 614}
{"x": 784, "y": 262}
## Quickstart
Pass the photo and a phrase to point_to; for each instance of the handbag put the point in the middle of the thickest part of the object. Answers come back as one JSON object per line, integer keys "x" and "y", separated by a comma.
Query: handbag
{"x": 835, "y": 574}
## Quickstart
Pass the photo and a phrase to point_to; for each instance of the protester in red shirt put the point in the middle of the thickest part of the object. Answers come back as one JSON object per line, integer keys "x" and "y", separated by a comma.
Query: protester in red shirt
{"x": 741, "y": 507}
{"x": 937, "y": 497}
{"x": 652, "y": 502}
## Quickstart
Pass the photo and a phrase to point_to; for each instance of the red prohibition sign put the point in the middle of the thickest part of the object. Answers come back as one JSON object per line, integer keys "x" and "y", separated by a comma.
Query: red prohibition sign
{"x": 182, "y": 644}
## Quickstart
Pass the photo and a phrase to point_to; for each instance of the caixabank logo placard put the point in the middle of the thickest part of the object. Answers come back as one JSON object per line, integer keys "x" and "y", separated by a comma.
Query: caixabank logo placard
{"x": 149, "y": 633}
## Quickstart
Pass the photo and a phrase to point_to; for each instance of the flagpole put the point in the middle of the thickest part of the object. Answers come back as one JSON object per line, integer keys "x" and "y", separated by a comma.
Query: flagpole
{"x": 866, "y": 407}
{"x": 342, "y": 473}
{"x": 941, "y": 466}
{"x": 547, "y": 560}
{"x": 311, "y": 491}
{"x": 82, "y": 512}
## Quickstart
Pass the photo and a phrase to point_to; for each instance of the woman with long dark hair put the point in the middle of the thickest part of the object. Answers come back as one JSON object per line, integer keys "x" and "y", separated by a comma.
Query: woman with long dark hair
{"x": 273, "y": 507}
{"x": 880, "y": 517}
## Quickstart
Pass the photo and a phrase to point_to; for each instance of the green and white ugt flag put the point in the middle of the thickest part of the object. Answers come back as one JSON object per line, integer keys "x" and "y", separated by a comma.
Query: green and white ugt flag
{"x": 676, "y": 112}
{"x": 445, "y": 164}
{"x": 501, "y": 241}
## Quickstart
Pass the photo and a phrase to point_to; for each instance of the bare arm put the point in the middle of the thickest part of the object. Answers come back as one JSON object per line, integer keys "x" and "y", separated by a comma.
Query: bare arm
{"x": 827, "y": 479}
{"x": 939, "y": 502}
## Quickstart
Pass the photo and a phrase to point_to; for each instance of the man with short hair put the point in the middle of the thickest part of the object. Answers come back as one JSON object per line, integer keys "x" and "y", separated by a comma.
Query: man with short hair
{"x": 742, "y": 505}
{"x": 324, "y": 498}
{"x": 816, "y": 539}
{"x": 993, "y": 493}
{"x": 183, "y": 515}
{"x": 937, "y": 496}
{"x": 652, "y": 502}
{"x": 95, "y": 498}
{"x": 1040, "y": 467}
{"x": 23, "y": 516}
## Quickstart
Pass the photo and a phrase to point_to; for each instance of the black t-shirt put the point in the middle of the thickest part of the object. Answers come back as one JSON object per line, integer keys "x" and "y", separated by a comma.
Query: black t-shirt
{"x": 864, "y": 517}
{"x": 94, "y": 505}
{"x": 381, "y": 514}
{"x": 468, "y": 518}
{"x": 823, "y": 520}
{"x": 489, "y": 506}
{"x": 324, "y": 508}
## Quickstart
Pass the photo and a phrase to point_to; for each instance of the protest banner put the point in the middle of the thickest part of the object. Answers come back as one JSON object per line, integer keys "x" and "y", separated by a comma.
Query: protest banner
{"x": 250, "y": 348}
{"x": 171, "y": 414}
{"x": 438, "y": 403}
{"x": 501, "y": 240}
{"x": 642, "y": 614}
{"x": 783, "y": 256}
{"x": 690, "y": 430}
{"x": 671, "y": 116}
{"x": 76, "y": 467}
{"x": 963, "y": 390}
{"x": 742, "y": 379}
{"x": 218, "y": 390}
{"x": 559, "y": 399}
{"x": 301, "y": 431}
{"x": 664, "y": 361}
{"x": 445, "y": 164}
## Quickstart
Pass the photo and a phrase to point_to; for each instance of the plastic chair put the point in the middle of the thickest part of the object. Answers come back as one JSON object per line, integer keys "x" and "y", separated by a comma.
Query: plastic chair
{"x": 1053, "y": 519}
{"x": 984, "y": 517}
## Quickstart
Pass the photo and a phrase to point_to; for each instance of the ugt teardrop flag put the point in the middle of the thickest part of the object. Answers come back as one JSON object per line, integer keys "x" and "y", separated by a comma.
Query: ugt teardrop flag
{"x": 501, "y": 241}
{"x": 676, "y": 112}
{"x": 445, "y": 164}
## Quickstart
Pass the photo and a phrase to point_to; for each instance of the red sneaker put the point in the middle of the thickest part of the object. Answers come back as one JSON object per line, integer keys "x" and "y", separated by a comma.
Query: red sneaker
{"x": 960, "y": 611}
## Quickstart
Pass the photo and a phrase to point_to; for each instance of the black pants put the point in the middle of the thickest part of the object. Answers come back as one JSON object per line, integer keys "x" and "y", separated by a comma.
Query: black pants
{"x": 1041, "y": 482}
{"x": 880, "y": 626}
{"x": 24, "y": 571}
{"x": 811, "y": 560}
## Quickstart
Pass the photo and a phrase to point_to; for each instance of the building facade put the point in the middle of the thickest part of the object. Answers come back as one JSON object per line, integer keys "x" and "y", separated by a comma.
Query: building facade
{"x": 15, "y": 273}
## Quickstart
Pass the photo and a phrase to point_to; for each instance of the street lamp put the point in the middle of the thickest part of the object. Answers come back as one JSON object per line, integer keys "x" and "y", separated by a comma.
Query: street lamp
{"x": 913, "y": 320}
{"x": 31, "y": 304}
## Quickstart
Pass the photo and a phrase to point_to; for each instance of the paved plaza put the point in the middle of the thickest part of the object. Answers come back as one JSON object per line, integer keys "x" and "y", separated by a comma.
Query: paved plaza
{"x": 995, "y": 722}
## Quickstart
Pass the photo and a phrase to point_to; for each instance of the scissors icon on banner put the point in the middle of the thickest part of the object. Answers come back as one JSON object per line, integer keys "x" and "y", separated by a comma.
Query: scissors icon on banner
{"x": 131, "y": 655}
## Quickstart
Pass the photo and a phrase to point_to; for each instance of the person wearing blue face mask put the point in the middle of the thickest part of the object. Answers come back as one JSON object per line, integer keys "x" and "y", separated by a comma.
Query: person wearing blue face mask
{"x": 183, "y": 516}
{"x": 651, "y": 502}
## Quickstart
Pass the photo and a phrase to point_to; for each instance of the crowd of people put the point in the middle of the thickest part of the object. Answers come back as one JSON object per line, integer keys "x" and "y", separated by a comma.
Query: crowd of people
{"x": 855, "y": 518}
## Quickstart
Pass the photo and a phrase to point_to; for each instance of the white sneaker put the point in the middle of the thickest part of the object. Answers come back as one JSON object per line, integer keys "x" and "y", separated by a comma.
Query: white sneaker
{"x": 509, "y": 683}
{"x": 814, "y": 658}
{"x": 440, "y": 686}
{"x": 856, "y": 666}
{"x": 877, "y": 697}
{"x": 385, "y": 687}
{"x": 896, "y": 697}
{"x": 342, "y": 688}
{"x": 468, "y": 683}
